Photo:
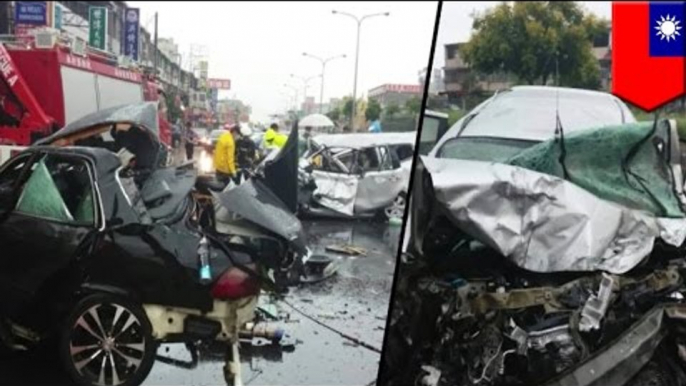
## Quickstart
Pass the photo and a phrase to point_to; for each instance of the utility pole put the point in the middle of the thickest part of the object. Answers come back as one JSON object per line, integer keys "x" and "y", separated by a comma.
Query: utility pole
{"x": 359, "y": 21}
{"x": 295, "y": 98}
{"x": 156, "y": 49}
{"x": 306, "y": 81}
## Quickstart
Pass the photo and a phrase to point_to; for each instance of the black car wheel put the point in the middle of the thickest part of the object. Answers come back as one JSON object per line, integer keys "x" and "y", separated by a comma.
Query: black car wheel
{"x": 107, "y": 340}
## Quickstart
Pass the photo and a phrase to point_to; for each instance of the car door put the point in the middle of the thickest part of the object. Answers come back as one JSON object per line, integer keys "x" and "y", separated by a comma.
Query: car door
{"x": 380, "y": 181}
{"x": 336, "y": 185}
{"x": 44, "y": 225}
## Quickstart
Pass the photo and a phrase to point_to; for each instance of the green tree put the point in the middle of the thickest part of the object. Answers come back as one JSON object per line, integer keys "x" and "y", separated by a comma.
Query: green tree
{"x": 334, "y": 114}
{"x": 392, "y": 110}
{"x": 373, "y": 111}
{"x": 414, "y": 106}
{"x": 534, "y": 40}
{"x": 347, "y": 106}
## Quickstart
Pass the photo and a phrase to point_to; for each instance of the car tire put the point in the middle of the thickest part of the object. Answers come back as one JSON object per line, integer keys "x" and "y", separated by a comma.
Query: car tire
{"x": 397, "y": 207}
{"x": 107, "y": 340}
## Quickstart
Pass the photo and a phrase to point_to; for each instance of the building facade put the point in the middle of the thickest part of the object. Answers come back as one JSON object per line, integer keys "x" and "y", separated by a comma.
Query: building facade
{"x": 460, "y": 80}
{"x": 395, "y": 94}
{"x": 436, "y": 85}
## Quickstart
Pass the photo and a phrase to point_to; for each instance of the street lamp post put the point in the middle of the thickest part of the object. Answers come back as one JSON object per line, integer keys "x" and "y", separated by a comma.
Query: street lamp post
{"x": 359, "y": 21}
{"x": 295, "y": 99}
{"x": 323, "y": 62}
{"x": 306, "y": 81}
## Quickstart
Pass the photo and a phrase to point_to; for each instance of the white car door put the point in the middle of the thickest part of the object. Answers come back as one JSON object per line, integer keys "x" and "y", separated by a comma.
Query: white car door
{"x": 380, "y": 182}
{"x": 336, "y": 186}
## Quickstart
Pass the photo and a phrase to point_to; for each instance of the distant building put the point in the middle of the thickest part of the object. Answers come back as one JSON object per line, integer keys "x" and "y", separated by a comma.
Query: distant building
{"x": 169, "y": 48}
{"x": 436, "y": 85}
{"x": 460, "y": 80}
{"x": 309, "y": 106}
{"x": 327, "y": 107}
{"x": 602, "y": 51}
{"x": 233, "y": 110}
{"x": 395, "y": 94}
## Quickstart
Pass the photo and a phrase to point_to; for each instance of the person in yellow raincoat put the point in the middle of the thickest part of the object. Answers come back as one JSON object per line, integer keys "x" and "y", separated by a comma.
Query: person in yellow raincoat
{"x": 274, "y": 139}
{"x": 225, "y": 157}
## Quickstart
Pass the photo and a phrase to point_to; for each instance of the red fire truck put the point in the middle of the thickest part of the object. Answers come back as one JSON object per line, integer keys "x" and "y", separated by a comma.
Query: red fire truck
{"x": 43, "y": 89}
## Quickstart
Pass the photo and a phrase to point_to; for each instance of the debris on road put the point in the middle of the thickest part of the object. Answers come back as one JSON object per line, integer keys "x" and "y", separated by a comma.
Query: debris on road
{"x": 347, "y": 250}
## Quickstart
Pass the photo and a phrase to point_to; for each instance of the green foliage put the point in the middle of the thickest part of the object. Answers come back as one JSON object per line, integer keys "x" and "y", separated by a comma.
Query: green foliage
{"x": 392, "y": 110}
{"x": 531, "y": 39}
{"x": 373, "y": 110}
{"x": 347, "y": 106}
{"x": 454, "y": 116}
{"x": 334, "y": 114}
{"x": 414, "y": 105}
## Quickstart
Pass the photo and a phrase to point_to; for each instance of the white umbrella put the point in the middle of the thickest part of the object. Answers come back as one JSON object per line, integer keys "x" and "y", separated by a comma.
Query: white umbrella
{"x": 316, "y": 120}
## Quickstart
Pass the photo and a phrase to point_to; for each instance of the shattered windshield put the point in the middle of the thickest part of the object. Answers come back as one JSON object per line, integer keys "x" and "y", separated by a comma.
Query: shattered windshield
{"x": 531, "y": 114}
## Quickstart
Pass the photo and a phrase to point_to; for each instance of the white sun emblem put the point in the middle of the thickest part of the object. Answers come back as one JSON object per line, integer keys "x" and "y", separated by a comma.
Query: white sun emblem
{"x": 668, "y": 28}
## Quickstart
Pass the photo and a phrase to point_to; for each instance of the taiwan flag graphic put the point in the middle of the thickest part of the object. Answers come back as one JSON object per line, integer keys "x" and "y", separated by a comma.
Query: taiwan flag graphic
{"x": 648, "y": 46}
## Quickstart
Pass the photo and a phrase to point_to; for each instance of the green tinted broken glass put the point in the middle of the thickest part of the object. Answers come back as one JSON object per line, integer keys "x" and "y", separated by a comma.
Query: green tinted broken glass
{"x": 625, "y": 164}
{"x": 41, "y": 197}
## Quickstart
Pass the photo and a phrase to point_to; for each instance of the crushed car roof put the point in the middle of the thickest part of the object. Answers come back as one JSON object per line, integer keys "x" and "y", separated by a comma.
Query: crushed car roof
{"x": 362, "y": 140}
{"x": 530, "y": 113}
{"x": 142, "y": 114}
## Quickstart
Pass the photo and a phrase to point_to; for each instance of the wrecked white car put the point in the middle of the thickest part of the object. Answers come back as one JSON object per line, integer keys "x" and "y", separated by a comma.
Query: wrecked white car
{"x": 549, "y": 260}
{"x": 356, "y": 175}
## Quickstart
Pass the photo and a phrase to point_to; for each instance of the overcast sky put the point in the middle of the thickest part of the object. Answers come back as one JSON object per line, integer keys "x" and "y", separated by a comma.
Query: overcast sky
{"x": 456, "y": 22}
{"x": 258, "y": 45}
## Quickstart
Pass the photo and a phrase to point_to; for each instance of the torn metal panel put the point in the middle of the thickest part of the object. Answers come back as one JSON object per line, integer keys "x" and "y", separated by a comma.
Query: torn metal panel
{"x": 596, "y": 305}
{"x": 253, "y": 201}
{"x": 619, "y": 362}
{"x": 544, "y": 223}
{"x": 336, "y": 191}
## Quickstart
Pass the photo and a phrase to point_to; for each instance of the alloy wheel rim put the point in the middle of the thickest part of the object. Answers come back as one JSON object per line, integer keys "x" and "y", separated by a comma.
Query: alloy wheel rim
{"x": 107, "y": 344}
{"x": 397, "y": 208}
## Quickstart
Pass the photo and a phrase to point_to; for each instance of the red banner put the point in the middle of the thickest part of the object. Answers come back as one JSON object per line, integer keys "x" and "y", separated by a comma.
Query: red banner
{"x": 219, "y": 84}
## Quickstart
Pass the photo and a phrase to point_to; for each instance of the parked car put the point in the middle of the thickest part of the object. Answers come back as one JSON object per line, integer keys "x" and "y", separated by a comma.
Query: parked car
{"x": 533, "y": 256}
{"x": 131, "y": 253}
{"x": 356, "y": 175}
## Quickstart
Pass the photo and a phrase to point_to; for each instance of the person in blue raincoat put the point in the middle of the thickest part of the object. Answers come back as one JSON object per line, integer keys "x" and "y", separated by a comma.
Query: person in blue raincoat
{"x": 375, "y": 127}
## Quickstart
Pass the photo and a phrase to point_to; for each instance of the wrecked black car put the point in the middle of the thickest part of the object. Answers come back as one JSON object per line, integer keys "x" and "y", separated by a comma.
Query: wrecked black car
{"x": 109, "y": 252}
{"x": 560, "y": 263}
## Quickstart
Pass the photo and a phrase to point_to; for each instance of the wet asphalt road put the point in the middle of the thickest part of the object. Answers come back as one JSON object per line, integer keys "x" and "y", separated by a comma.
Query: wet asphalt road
{"x": 354, "y": 301}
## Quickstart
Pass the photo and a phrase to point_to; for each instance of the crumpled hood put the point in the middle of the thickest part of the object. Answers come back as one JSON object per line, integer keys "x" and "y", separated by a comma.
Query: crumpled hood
{"x": 255, "y": 202}
{"x": 540, "y": 222}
